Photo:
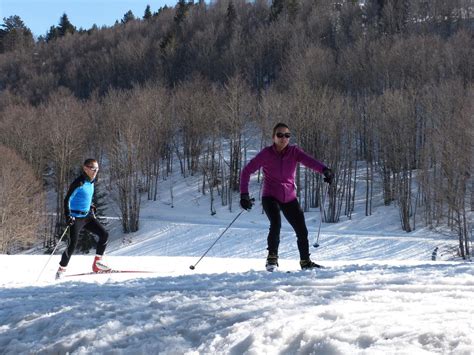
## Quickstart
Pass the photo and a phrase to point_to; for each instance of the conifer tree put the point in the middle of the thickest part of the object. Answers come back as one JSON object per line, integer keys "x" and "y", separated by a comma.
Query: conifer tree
{"x": 65, "y": 26}
{"x": 276, "y": 8}
{"x": 147, "y": 14}
{"x": 129, "y": 16}
{"x": 160, "y": 10}
{"x": 231, "y": 14}
{"x": 181, "y": 10}
{"x": 52, "y": 34}
{"x": 14, "y": 34}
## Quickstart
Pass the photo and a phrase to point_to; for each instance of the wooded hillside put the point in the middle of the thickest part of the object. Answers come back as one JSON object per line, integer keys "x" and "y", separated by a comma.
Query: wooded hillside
{"x": 387, "y": 85}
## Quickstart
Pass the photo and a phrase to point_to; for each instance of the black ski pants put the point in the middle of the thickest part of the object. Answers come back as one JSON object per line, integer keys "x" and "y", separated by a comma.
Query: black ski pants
{"x": 92, "y": 225}
{"x": 294, "y": 215}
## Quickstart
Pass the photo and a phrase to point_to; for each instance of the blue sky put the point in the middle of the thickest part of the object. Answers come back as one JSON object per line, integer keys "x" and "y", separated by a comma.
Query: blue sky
{"x": 39, "y": 15}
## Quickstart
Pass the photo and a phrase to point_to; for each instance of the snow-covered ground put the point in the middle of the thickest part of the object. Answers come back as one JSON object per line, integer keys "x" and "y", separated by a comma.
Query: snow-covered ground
{"x": 380, "y": 292}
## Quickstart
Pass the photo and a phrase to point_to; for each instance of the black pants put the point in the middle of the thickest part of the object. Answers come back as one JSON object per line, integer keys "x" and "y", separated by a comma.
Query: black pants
{"x": 92, "y": 225}
{"x": 294, "y": 215}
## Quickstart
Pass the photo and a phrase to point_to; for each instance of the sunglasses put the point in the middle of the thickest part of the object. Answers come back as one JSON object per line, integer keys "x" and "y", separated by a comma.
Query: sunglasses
{"x": 281, "y": 135}
{"x": 93, "y": 168}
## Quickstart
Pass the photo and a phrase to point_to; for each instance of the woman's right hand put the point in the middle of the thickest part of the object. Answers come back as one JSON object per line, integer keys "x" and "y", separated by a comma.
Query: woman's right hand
{"x": 246, "y": 202}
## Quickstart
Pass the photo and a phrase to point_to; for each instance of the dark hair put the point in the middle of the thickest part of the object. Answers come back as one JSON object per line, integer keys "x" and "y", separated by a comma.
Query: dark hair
{"x": 279, "y": 125}
{"x": 89, "y": 161}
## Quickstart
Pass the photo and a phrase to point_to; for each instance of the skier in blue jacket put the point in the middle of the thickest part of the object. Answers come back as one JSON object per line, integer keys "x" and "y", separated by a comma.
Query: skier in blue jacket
{"x": 79, "y": 212}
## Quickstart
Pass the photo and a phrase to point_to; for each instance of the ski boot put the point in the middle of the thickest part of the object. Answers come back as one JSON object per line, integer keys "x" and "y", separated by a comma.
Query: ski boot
{"x": 272, "y": 262}
{"x": 308, "y": 265}
{"x": 99, "y": 265}
{"x": 60, "y": 273}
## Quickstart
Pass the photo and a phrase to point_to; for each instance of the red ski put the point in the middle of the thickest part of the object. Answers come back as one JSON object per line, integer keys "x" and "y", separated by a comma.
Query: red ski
{"x": 112, "y": 272}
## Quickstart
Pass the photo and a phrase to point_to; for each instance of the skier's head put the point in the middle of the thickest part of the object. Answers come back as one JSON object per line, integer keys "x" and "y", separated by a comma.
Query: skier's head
{"x": 281, "y": 136}
{"x": 91, "y": 168}
{"x": 279, "y": 125}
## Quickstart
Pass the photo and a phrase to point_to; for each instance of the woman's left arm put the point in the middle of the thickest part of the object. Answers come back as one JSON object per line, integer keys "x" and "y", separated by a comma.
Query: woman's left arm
{"x": 308, "y": 161}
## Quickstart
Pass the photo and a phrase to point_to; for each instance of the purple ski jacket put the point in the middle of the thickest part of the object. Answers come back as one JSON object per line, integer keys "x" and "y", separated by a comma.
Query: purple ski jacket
{"x": 279, "y": 170}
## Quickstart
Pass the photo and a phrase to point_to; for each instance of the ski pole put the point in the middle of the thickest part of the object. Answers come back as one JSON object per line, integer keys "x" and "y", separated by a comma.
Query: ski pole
{"x": 316, "y": 244}
{"x": 192, "y": 267}
{"x": 61, "y": 238}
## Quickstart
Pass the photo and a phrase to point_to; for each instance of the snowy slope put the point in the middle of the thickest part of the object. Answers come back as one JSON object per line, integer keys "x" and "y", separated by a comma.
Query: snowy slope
{"x": 233, "y": 306}
{"x": 379, "y": 293}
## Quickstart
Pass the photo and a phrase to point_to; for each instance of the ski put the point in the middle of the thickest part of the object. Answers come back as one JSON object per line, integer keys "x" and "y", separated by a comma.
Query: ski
{"x": 271, "y": 268}
{"x": 317, "y": 267}
{"x": 277, "y": 270}
{"x": 113, "y": 271}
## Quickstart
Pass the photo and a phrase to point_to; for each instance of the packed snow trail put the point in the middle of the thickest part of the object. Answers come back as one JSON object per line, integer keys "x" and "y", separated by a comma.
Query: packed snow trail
{"x": 355, "y": 308}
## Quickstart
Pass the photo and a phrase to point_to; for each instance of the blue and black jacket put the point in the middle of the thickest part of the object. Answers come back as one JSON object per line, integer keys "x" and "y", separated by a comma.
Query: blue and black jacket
{"x": 78, "y": 200}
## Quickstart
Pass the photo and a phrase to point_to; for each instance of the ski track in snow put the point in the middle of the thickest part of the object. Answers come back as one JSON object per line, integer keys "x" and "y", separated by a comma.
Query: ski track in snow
{"x": 194, "y": 239}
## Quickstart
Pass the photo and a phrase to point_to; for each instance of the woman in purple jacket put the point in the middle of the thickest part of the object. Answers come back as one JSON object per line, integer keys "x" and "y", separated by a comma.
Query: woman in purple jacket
{"x": 279, "y": 162}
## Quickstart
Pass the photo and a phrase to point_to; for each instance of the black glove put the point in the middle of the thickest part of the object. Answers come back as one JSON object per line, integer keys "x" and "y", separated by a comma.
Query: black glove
{"x": 70, "y": 220}
{"x": 328, "y": 175}
{"x": 93, "y": 210}
{"x": 246, "y": 202}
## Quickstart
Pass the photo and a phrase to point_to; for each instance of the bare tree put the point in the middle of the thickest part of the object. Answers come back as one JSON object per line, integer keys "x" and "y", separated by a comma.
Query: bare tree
{"x": 236, "y": 111}
{"x": 21, "y": 203}
{"x": 22, "y": 131}
{"x": 66, "y": 137}
{"x": 151, "y": 115}
{"x": 192, "y": 110}
{"x": 451, "y": 151}
{"x": 204, "y": 106}
{"x": 323, "y": 126}
{"x": 396, "y": 136}
{"x": 125, "y": 144}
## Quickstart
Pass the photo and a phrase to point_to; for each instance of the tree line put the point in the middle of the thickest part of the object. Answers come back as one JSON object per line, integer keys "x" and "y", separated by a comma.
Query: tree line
{"x": 383, "y": 85}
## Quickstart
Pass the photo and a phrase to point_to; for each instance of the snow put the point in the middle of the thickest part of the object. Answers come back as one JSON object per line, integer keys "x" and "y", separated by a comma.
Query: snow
{"x": 380, "y": 290}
